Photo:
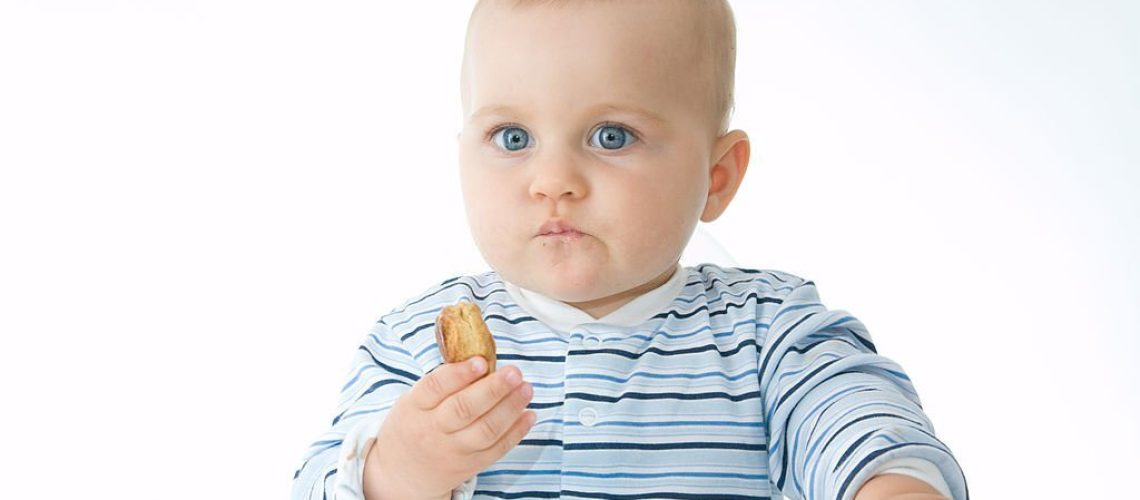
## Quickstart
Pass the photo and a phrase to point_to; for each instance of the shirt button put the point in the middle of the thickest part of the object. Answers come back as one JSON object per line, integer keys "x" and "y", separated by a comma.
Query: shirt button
{"x": 588, "y": 416}
{"x": 593, "y": 342}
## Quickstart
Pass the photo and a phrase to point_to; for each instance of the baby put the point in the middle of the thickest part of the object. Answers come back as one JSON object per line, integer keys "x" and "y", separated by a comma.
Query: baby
{"x": 595, "y": 137}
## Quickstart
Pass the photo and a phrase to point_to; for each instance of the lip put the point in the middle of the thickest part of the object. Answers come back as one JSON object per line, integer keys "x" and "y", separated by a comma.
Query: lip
{"x": 558, "y": 227}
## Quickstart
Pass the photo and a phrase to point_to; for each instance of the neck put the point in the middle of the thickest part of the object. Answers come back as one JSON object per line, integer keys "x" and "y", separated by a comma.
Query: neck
{"x": 598, "y": 308}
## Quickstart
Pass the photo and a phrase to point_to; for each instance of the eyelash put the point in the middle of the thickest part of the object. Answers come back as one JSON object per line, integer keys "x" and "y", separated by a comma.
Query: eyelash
{"x": 490, "y": 133}
{"x": 496, "y": 128}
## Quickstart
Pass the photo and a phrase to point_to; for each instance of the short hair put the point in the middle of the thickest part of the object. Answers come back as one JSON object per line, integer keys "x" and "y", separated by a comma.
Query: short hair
{"x": 716, "y": 35}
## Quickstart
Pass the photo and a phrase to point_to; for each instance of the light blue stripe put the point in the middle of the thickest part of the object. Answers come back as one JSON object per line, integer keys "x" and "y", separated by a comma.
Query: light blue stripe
{"x": 623, "y": 475}
{"x": 794, "y": 308}
{"x": 550, "y": 385}
{"x": 677, "y": 423}
{"x": 664, "y": 376}
{"x": 357, "y": 376}
{"x": 486, "y": 307}
{"x": 679, "y": 335}
{"x": 385, "y": 345}
{"x": 636, "y": 475}
{"x": 502, "y": 338}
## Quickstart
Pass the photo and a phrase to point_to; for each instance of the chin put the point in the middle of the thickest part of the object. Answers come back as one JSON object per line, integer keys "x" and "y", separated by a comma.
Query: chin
{"x": 574, "y": 296}
{"x": 560, "y": 283}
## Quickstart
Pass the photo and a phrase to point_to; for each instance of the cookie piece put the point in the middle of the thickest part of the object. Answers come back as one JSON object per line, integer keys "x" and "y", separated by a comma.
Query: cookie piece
{"x": 461, "y": 334}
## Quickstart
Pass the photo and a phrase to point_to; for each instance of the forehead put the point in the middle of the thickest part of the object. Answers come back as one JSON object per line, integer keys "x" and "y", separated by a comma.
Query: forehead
{"x": 641, "y": 54}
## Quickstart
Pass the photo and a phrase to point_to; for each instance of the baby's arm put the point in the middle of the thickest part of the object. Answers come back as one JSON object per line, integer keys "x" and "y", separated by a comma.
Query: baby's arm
{"x": 897, "y": 487}
{"x": 448, "y": 427}
{"x": 838, "y": 413}
{"x": 381, "y": 371}
{"x": 400, "y": 433}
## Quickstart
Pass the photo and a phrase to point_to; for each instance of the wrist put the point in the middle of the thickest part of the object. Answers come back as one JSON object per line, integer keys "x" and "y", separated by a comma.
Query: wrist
{"x": 378, "y": 485}
{"x": 897, "y": 487}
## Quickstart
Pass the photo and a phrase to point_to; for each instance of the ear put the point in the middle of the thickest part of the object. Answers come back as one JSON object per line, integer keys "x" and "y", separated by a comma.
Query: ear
{"x": 730, "y": 153}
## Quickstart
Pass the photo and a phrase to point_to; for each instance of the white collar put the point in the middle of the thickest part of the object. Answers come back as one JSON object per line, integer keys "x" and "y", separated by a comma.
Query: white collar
{"x": 565, "y": 317}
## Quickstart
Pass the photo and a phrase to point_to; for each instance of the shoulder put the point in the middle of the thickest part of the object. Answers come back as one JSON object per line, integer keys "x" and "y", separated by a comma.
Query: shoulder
{"x": 479, "y": 289}
{"x": 718, "y": 280}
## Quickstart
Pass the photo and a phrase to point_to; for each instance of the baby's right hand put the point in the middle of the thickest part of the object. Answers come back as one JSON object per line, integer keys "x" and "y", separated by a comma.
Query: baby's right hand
{"x": 446, "y": 429}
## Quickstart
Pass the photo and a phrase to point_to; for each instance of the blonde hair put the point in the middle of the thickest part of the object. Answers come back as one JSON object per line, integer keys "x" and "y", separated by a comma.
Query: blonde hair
{"x": 716, "y": 36}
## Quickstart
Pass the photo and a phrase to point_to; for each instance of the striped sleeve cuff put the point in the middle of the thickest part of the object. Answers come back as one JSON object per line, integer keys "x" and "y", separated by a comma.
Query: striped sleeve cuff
{"x": 350, "y": 469}
{"x": 920, "y": 469}
{"x": 354, "y": 449}
{"x": 880, "y": 448}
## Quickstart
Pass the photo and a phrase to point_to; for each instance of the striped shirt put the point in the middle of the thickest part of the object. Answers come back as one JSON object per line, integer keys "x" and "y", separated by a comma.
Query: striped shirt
{"x": 738, "y": 384}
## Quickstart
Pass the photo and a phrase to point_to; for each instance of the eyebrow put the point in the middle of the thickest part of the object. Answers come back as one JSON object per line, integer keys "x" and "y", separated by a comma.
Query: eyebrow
{"x": 507, "y": 110}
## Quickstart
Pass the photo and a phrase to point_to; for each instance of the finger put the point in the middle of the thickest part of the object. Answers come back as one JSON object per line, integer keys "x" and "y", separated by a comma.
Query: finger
{"x": 484, "y": 432}
{"x": 511, "y": 439}
{"x": 465, "y": 406}
{"x": 445, "y": 380}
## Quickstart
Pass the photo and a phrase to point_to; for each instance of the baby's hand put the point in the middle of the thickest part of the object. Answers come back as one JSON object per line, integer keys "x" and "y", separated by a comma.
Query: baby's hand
{"x": 446, "y": 429}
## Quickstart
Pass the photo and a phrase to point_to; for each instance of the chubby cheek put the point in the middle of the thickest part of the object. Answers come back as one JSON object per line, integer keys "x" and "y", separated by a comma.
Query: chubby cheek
{"x": 488, "y": 214}
{"x": 662, "y": 213}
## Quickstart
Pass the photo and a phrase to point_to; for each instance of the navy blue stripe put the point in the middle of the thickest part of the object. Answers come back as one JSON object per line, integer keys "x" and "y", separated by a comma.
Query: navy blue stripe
{"x": 780, "y": 339}
{"x": 418, "y": 329}
{"x": 674, "y": 423}
{"x": 852, "y": 448}
{"x": 540, "y": 406}
{"x": 871, "y": 456}
{"x": 441, "y": 289}
{"x": 804, "y": 350}
{"x": 519, "y": 494}
{"x": 860, "y": 419}
{"x": 373, "y": 387}
{"x": 540, "y": 442}
{"x": 805, "y": 380}
{"x": 727, "y": 306}
{"x": 712, "y": 281}
{"x": 663, "y": 395}
{"x": 325, "y": 490}
{"x": 769, "y": 273}
{"x": 823, "y": 412}
{"x": 523, "y": 357}
{"x": 515, "y": 321}
{"x": 866, "y": 342}
{"x": 314, "y": 454}
{"x": 664, "y": 495}
{"x": 662, "y": 352}
{"x": 699, "y": 445}
{"x": 391, "y": 369}
{"x": 680, "y": 315}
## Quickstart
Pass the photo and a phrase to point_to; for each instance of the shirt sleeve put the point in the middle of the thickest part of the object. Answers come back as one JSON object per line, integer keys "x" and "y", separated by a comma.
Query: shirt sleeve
{"x": 919, "y": 469}
{"x": 836, "y": 410}
{"x": 333, "y": 467}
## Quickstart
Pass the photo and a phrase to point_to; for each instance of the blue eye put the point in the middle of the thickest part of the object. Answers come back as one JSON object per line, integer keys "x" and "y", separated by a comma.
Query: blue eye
{"x": 512, "y": 138}
{"x": 614, "y": 137}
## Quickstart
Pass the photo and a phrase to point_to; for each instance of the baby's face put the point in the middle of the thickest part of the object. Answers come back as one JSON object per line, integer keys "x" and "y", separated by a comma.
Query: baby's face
{"x": 597, "y": 114}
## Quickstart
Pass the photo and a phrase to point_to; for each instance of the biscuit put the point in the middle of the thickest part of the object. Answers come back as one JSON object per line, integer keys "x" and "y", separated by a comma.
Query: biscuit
{"x": 461, "y": 334}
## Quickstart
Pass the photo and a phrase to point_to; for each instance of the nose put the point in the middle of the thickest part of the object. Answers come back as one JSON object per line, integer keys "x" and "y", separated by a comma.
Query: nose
{"x": 556, "y": 176}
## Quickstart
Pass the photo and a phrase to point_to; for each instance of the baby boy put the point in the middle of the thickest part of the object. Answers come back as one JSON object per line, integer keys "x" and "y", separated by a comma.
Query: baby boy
{"x": 595, "y": 137}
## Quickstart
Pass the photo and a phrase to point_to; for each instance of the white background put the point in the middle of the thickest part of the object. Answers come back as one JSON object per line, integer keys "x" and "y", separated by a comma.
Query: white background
{"x": 204, "y": 205}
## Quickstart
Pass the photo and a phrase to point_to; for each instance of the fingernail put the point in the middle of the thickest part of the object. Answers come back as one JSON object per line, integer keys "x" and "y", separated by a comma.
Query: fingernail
{"x": 513, "y": 377}
{"x": 477, "y": 365}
